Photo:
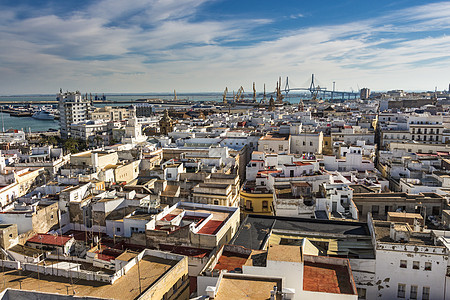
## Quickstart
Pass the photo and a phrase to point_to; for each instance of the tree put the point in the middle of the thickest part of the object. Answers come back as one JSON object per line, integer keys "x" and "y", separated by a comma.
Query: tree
{"x": 70, "y": 145}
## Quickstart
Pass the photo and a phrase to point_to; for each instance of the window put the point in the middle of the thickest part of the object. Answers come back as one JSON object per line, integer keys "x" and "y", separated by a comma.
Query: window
{"x": 361, "y": 293}
{"x": 118, "y": 229}
{"x": 401, "y": 290}
{"x": 280, "y": 147}
{"x": 375, "y": 209}
{"x": 216, "y": 202}
{"x": 310, "y": 143}
{"x": 265, "y": 204}
{"x": 169, "y": 175}
{"x": 413, "y": 292}
{"x": 403, "y": 263}
{"x": 427, "y": 266}
{"x": 248, "y": 205}
{"x": 416, "y": 265}
{"x": 426, "y": 293}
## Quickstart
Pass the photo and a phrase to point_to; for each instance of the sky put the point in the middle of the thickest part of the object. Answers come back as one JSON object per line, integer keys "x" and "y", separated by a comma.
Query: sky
{"x": 145, "y": 46}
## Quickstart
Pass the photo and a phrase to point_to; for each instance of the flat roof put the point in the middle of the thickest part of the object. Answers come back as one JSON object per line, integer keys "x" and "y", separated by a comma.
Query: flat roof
{"x": 256, "y": 229}
{"x": 138, "y": 215}
{"x": 404, "y": 215}
{"x": 275, "y": 137}
{"x": 25, "y": 250}
{"x": 383, "y": 234}
{"x": 326, "y": 278}
{"x": 127, "y": 256}
{"x": 184, "y": 250}
{"x": 213, "y": 185}
{"x": 170, "y": 191}
{"x": 231, "y": 260}
{"x": 246, "y": 287}
{"x": 284, "y": 253}
{"x": 211, "y": 227}
{"x": 126, "y": 287}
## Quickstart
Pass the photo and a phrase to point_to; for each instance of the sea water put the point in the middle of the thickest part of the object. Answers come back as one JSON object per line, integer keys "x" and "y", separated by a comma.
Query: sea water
{"x": 30, "y": 124}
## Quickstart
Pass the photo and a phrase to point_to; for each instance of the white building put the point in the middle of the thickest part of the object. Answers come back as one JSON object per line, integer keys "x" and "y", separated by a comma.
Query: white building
{"x": 73, "y": 108}
{"x": 298, "y": 269}
{"x": 352, "y": 161}
{"x": 307, "y": 143}
{"x": 409, "y": 263}
{"x": 87, "y": 130}
{"x": 13, "y": 136}
{"x": 426, "y": 128}
{"x": 272, "y": 143}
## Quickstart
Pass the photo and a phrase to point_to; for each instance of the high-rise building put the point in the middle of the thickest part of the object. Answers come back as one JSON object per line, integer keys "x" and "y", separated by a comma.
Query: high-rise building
{"x": 364, "y": 93}
{"x": 72, "y": 108}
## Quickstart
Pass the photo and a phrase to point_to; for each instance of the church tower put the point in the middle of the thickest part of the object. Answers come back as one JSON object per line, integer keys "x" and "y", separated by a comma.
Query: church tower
{"x": 166, "y": 123}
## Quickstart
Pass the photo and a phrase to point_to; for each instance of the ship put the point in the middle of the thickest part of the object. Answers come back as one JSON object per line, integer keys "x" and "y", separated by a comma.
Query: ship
{"x": 43, "y": 115}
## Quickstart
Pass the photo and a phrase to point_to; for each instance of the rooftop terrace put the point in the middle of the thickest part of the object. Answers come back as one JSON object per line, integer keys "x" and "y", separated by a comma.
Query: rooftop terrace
{"x": 234, "y": 287}
{"x": 326, "y": 278}
{"x": 126, "y": 287}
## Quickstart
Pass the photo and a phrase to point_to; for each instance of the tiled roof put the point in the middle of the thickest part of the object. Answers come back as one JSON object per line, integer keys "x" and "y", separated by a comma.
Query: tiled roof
{"x": 49, "y": 239}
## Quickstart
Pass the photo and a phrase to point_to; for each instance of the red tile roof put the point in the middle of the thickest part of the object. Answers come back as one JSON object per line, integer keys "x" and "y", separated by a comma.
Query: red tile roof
{"x": 49, "y": 239}
{"x": 230, "y": 261}
{"x": 211, "y": 227}
{"x": 188, "y": 251}
{"x": 169, "y": 217}
{"x": 326, "y": 278}
{"x": 299, "y": 163}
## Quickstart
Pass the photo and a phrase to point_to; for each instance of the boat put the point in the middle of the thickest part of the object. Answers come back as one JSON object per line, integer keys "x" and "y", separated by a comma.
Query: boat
{"x": 43, "y": 115}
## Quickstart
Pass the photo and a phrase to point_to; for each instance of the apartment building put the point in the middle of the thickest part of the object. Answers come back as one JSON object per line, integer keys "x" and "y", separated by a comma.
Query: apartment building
{"x": 73, "y": 108}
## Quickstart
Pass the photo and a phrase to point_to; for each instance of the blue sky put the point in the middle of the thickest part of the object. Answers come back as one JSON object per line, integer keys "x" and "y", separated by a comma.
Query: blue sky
{"x": 202, "y": 46}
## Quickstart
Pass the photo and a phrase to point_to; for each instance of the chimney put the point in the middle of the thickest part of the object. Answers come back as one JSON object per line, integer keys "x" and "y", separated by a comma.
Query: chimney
{"x": 211, "y": 292}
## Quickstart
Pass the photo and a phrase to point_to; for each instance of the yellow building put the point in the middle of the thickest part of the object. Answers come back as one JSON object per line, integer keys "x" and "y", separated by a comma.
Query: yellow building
{"x": 327, "y": 145}
{"x": 256, "y": 200}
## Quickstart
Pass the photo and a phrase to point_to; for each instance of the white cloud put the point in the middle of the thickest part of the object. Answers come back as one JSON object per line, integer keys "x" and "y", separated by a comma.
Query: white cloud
{"x": 143, "y": 46}
{"x": 296, "y": 16}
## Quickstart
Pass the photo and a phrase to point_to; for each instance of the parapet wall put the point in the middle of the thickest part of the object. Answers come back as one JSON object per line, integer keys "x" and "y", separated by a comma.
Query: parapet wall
{"x": 76, "y": 273}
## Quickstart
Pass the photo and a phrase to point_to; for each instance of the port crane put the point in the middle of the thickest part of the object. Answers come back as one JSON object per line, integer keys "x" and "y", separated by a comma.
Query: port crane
{"x": 239, "y": 94}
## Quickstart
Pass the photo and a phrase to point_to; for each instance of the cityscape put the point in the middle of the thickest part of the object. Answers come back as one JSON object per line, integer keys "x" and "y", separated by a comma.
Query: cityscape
{"x": 224, "y": 150}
